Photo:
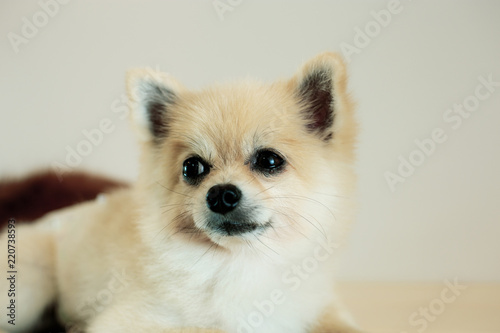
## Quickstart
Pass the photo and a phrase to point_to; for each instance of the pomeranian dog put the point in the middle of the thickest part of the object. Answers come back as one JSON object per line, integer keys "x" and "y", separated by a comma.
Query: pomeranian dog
{"x": 244, "y": 195}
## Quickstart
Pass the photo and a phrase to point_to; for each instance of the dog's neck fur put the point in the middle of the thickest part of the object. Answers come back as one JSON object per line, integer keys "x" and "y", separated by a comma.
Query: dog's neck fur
{"x": 239, "y": 286}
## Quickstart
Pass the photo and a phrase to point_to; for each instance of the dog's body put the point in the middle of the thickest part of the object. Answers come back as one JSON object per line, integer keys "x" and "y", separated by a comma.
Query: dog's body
{"x": 242, "y": 191}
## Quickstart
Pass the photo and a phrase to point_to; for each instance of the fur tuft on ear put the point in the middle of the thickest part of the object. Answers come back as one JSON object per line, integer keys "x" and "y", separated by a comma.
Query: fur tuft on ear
{"x": 151, "y": 94}
{"x": 318, "y": 86}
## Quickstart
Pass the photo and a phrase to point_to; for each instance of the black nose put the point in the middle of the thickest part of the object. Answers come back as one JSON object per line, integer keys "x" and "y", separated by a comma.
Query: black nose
{"x": 223, "y": 198}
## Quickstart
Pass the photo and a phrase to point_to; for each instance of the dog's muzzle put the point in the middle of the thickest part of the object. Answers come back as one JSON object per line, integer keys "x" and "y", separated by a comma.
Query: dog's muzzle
{"x": 226, "y": 217}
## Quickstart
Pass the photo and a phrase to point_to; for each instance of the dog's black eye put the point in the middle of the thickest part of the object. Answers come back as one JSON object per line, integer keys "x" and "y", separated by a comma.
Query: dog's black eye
{"x": 194, "y": 169}
{"x": 268, "y": 161}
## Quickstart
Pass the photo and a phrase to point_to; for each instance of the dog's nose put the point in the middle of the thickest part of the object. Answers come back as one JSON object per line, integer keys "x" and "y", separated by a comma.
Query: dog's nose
{"x": 223, "y": 198}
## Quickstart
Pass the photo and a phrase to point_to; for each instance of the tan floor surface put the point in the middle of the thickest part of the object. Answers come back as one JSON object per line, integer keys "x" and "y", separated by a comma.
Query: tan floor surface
{"x": 423, "y": 307}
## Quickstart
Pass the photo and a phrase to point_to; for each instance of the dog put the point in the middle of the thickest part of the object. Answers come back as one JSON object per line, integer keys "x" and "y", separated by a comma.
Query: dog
{"x": 244, "y": 194}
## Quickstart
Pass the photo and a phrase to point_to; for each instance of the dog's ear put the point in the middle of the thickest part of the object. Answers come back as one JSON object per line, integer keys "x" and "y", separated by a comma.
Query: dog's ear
{"x": 151, "y": 95}
{"x": 320, "y": 88}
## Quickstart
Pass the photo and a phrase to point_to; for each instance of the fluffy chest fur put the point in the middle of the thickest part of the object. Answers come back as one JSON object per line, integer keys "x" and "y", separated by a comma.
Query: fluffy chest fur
{"x": 242, "y": 292}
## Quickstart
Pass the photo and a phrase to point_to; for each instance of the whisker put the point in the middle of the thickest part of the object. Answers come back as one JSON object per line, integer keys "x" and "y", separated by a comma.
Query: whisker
{"x": 179, "y": 193}
{"x": 267, "y": 189}
{"x": 322, "y": 230}
{"x": 304, "y": 198}
{"x": 291, "y": 225}
{"x": 211, "y": 246}
{"x": 265, "y": 246}
{"x": 250, "y": 245}
{"x": 174, "y": 204}
{"x": 170, "y": 209}
{"x": 175, "y": 219}
{"x": 334, "y": 195}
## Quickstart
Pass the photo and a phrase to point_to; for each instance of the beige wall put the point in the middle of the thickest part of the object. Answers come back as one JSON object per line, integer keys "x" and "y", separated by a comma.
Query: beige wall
{"x": 441, "y": 222}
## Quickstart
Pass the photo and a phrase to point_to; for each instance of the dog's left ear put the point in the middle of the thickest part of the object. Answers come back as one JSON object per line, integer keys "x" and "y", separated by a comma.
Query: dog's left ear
{"x": 320, "y": 89}
{"x": 151, "y": 94}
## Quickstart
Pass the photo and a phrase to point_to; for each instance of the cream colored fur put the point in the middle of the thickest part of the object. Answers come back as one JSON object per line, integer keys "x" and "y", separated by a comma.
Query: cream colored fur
{"x": 142, "y": 259}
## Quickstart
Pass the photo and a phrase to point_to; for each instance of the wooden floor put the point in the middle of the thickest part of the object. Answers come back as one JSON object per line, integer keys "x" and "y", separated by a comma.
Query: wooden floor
{"x": 424, "y": 307}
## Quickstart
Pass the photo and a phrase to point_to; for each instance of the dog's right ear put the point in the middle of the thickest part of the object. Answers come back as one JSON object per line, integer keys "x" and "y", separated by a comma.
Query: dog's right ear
{"x": 151, "y": 95}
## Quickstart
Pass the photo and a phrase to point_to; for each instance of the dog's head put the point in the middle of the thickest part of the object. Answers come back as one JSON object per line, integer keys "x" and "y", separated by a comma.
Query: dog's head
{"x": 245, "y": 162}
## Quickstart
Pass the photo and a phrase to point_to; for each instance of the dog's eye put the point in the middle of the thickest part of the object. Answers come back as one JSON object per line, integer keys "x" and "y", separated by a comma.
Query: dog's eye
{"x": 194, "y": 169}
{"x": 268, "y": 161}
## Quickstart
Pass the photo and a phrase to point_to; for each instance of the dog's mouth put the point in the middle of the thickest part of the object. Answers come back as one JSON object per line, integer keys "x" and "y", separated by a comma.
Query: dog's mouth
{"x": 230, "y": 227}
{"x": 233, "y": 228}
